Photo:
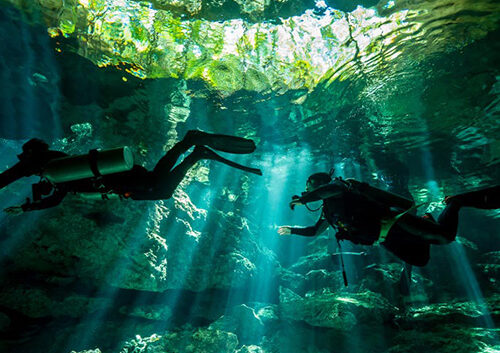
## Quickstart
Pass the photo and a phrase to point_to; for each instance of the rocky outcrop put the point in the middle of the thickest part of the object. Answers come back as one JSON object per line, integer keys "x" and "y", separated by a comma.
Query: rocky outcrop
{"x": 249, "y": 324}
{"x": 456, "y": 312}
{"x": 489, "y": 264}
{"x": 186, "y": 341}
{"x": 341, "y": 311}
{"x": 39, "y": 302}
{"x": 143, "y": 252}
{"x": 158, "y": 312}
{"x": 446, "y": 339}
{"x": 91, "y": 274}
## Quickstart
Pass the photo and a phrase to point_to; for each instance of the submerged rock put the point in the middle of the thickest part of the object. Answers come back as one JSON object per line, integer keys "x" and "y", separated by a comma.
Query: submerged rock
{"x": 447, "y": 339}
{"x": 386, "y": 279}
{"x": 140, "y": 344}
{"x": 39, "y": 302}
{"x": 490, "y": 266}
{"x": 456, "y": 312}
{"x": 250, "y": 349}
{"x": 145, "y": 252}
{"x": 249, "y": 324}
{"x": 341, "y": 311}
{"x": 157, "y": 312}
{"x": 187, "y": 341}
{"x": 319, "y": 260}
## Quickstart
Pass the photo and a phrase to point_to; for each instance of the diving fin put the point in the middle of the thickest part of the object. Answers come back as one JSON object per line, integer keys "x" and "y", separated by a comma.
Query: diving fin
{"x": 224, "y": 143}
{"x": 488, "y": 199}
{"x": 209, "y": 154}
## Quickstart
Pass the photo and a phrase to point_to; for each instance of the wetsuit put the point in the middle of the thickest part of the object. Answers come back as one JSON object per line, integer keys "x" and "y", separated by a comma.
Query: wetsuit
{"x": 358, "y": 218}
{"x": 137, "y": 183}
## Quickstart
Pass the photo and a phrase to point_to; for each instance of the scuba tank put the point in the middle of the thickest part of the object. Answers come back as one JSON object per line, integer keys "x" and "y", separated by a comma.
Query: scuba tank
{"x": 93, "y": 164}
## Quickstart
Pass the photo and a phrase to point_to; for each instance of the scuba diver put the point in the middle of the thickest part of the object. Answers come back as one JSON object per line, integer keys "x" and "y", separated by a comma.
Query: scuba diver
{"x": 112, "y": 173}
{"x": 368, "y": 216}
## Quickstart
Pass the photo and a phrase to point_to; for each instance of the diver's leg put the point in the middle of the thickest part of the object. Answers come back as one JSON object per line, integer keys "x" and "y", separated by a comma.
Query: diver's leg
{"x": 166, "y": 181}
{"x": 167, "y": 162}
{"x": 486, "y": 199}
{"x": 410, "y": 249}
{"x": 448, "y": 219}
{"x": 17, "y": 171}
{"x": 226, "y": 143}
{"x": 427, "y": 229}
{"x": 483, "y": 199}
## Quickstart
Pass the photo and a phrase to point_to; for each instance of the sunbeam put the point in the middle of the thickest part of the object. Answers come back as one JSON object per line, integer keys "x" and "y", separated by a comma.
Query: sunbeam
{"x": 298, "y": 177}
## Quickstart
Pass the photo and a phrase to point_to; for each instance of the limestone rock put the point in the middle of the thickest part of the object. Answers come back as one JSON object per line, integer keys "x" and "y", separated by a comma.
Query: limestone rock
{"x": 38, "y": 303}
{"x": 250, "y": 349}
{"x": 292, "y": 280}
{"x": 341, "y": 311}
{"x": 385, "y": 279}
{"x": 247, "y": 323}
{"x": 142, "y": 252}
{"x": 151, "y": 312}
{"x": 188, "y": 341}
{"x": 447, "y": 339}
{"x": 490, "y": 266}
{"x": 268, "y": 314}
{"x": 464, "y": 312}
{"x": 319, "y": 260}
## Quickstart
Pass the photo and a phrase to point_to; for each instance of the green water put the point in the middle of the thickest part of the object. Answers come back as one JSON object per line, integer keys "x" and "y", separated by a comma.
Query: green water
{"x": 403, "y": 95}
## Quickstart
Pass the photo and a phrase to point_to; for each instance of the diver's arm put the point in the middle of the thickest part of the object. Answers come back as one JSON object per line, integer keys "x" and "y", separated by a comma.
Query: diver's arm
{"x": 320, "y": 226}
{"x": 10, "y": 175}
{"x": 50, "y": 201}
{"x": 323, "y": 192}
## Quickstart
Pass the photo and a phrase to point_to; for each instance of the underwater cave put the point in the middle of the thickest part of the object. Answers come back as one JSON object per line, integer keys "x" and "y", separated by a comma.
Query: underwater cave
{"x": 250, "y": 176}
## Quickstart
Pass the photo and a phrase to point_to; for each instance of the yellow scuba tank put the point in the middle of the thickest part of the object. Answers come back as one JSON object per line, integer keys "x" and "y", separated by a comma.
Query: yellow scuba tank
{"x": 93, "y": 164}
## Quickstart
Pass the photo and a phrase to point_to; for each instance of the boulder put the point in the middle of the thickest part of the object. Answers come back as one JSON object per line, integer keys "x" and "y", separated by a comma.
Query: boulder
{"x": 200, "y": 340}
{"x": 38, "y": 302}
{"x": 342, "y": 311}
{"x": 249, "y": 324}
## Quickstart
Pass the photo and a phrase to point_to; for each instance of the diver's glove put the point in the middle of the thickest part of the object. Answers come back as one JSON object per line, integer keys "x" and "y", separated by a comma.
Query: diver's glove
{"x": 285, "y": 230}
{"x": 17, "y": 210}
{"x": 14, "y": 210}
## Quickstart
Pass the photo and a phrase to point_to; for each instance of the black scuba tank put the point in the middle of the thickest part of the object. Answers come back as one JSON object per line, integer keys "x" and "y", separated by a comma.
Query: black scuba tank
{"x": 93, "y": 164}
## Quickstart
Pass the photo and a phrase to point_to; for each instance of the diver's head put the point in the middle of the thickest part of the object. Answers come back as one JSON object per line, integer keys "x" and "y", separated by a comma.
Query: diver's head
{"x": 318, "y": 179}
{"x": 33, "y": 147}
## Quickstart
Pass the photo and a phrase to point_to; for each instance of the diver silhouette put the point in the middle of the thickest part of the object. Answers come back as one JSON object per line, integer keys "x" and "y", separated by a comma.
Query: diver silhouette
{"x": 366, "y": 215}
{"x": 112, "y": 174}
